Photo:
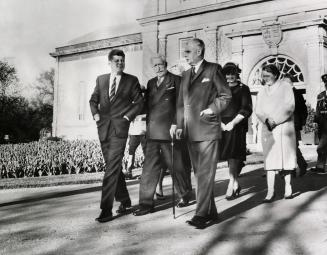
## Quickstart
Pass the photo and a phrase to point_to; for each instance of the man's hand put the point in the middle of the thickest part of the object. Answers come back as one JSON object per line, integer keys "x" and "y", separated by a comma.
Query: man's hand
{"x": 271, "y": 124}
{"x": 179, "y": 134}
{"x": 229, "y": 126}
{"x": 206, "y": 112}
{"x": 96, "y": 117}
{"x": 172, "y": 131}
{"x": 223, "y": 126}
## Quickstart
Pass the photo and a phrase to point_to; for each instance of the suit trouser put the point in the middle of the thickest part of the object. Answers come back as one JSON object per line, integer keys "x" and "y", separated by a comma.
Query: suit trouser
{"x": 113, "y": 185}
{"x": 155, "y": 152}
{"x": 302, "y": 164}
{"x": 204, "y": 158}
{"x": 322, "y": 151}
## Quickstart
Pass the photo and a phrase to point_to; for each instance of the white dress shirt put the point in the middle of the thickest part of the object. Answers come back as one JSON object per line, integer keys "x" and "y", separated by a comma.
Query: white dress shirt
{"x": 197, "y": 66}
{"x": 112, "y": 77}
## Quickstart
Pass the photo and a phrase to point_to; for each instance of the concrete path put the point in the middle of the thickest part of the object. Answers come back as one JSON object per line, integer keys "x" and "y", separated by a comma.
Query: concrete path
{"x": 60, "y": 220}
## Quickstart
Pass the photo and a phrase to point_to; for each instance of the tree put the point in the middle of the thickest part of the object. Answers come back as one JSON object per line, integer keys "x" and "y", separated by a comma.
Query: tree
{"x": 45, "y": 88}
{"x": 8, "y": 78}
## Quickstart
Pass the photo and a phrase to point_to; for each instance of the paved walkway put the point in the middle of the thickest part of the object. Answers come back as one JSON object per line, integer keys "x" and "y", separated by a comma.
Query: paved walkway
{"x": 60, "y": 220}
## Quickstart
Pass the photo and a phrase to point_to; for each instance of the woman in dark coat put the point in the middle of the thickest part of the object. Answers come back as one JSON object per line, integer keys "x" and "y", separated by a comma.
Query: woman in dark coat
{"x": 234, "y": 123}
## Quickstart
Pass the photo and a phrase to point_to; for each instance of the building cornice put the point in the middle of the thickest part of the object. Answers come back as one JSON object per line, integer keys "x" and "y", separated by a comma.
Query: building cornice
{"x": 98, "y": 45}
{"x": 288, "y": 26}
{"x": 199, "y": 10}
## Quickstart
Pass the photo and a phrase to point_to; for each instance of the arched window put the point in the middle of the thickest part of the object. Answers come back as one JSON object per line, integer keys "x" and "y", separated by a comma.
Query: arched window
{"x": 284, "y": 64}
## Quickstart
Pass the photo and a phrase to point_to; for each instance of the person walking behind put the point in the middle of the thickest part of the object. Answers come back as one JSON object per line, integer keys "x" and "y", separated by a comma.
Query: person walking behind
{"x": 300, "y": 117}
{"x": 136, "y": 137}
{"x": 321, "y": 120}
{"x": 115, "y": 101}
{"x": 234, "y": 124}
{"x": 275, "y": 109}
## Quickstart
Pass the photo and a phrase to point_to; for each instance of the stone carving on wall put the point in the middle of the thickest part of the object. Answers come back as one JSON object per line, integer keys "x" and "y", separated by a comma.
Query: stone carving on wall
{"x": 272, "y": 35}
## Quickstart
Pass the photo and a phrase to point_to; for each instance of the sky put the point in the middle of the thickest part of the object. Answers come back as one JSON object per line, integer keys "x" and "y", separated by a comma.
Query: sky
{"x": 31, "y": 29}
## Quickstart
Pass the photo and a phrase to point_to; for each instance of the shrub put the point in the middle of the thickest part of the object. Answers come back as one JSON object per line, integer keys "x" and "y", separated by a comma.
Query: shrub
{"x": 309, "y": 124}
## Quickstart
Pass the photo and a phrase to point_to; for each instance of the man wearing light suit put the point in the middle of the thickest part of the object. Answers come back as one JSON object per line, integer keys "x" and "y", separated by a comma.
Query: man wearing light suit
{"x": 116, "y": 100}
{"x": 160, "y": 108}
{"x": 204, "y": 94}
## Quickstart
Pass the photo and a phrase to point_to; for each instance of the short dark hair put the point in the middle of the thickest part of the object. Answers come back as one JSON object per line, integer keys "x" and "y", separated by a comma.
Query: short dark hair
{"x": 324, "y": 77}
{"x": 115, "y": 52}
{"x": 271, "y": 68}
{"x": 200, "y": 44}
{"x": 231, "y": 68}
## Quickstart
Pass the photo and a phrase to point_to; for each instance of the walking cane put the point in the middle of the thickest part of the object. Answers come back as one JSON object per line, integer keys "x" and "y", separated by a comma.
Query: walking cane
{"x": 173, "y": 174}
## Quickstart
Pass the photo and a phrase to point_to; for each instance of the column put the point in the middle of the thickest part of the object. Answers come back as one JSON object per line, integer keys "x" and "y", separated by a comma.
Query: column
{"x": 237, "y": 52}
{"x": 210, "y": 40}
{"x": 316, "y": 52}
{"x": 55, "y": 100}
{"x": 162, "y": 44}
{"x": 150, "y": 47}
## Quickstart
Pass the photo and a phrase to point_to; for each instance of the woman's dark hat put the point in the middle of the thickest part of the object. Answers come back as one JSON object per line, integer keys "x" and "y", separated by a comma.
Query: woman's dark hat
{"x": 231, "y": 68}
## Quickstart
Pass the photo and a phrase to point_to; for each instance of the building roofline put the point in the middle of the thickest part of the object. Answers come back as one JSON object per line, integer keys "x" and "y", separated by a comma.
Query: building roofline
{"x": 97, "y": 45}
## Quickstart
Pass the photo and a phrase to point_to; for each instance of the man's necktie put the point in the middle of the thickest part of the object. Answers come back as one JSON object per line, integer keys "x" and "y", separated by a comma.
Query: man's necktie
{"x": 192, "y": 72}
{"x": 112, "y": 90}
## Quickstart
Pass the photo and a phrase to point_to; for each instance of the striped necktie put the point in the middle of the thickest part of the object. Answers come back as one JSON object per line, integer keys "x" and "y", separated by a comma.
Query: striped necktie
{"x": 112, "y": 90}
{"x": 192, "y": 72}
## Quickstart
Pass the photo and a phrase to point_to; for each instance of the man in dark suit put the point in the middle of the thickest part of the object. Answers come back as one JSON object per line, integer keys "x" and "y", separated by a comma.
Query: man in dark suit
{"x": 116, "y": 100}
{"x": 204, "y": 94}
{"x": 160, "y": 108}
{"x": 321, "y": 122}
{"x": 300, "y": 117}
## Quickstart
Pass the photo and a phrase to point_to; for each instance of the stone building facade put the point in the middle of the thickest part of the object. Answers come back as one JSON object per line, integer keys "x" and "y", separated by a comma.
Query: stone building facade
{"x": 290, "y": 33}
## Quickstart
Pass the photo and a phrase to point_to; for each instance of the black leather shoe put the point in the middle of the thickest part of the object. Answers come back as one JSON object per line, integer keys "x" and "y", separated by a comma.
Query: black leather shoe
{"x": 303, "y": 170}
{"x": 318, "y": 170}
{"x": 198, "y": 222}
{"x": 123, "y": 208}
{"x": 212, "y": 217}
{"x": 143, "y": 211}
{"x": 160, "y": 197}
{"x": 183, "y": 203}
{"x": 104, "y": 216}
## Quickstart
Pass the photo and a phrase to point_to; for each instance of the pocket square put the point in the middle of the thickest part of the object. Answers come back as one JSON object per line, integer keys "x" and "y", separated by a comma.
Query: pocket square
{"x": 205, "y": 80}
{"x": 170, "y": 88}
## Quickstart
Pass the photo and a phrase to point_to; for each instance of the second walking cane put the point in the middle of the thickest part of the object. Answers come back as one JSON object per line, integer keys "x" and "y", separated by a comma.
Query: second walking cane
{"x": 173, "y": 174}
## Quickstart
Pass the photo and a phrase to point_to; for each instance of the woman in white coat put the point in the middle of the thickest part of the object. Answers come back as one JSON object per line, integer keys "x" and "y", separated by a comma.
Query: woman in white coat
{"x": 275, "y": 109}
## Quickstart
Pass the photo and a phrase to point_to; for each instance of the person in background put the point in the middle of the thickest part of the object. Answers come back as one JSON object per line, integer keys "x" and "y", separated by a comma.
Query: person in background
{"x": 136, "y": 137}
{"x": 321, "y": 120}
{"x": 300, "y": 117}
{"x": 234, "y": 124}
{"x": 275, "y": 109}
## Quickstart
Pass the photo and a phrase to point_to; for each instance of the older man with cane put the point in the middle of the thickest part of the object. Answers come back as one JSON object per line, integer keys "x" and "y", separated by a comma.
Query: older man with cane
{"x": 160, "y": 104}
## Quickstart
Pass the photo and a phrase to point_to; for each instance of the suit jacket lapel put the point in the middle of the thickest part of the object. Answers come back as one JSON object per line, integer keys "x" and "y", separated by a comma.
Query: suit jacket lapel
{"x": 106, "y": 87}
{"x": 199, "y": 71}
{"x": 161, "y": 89}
